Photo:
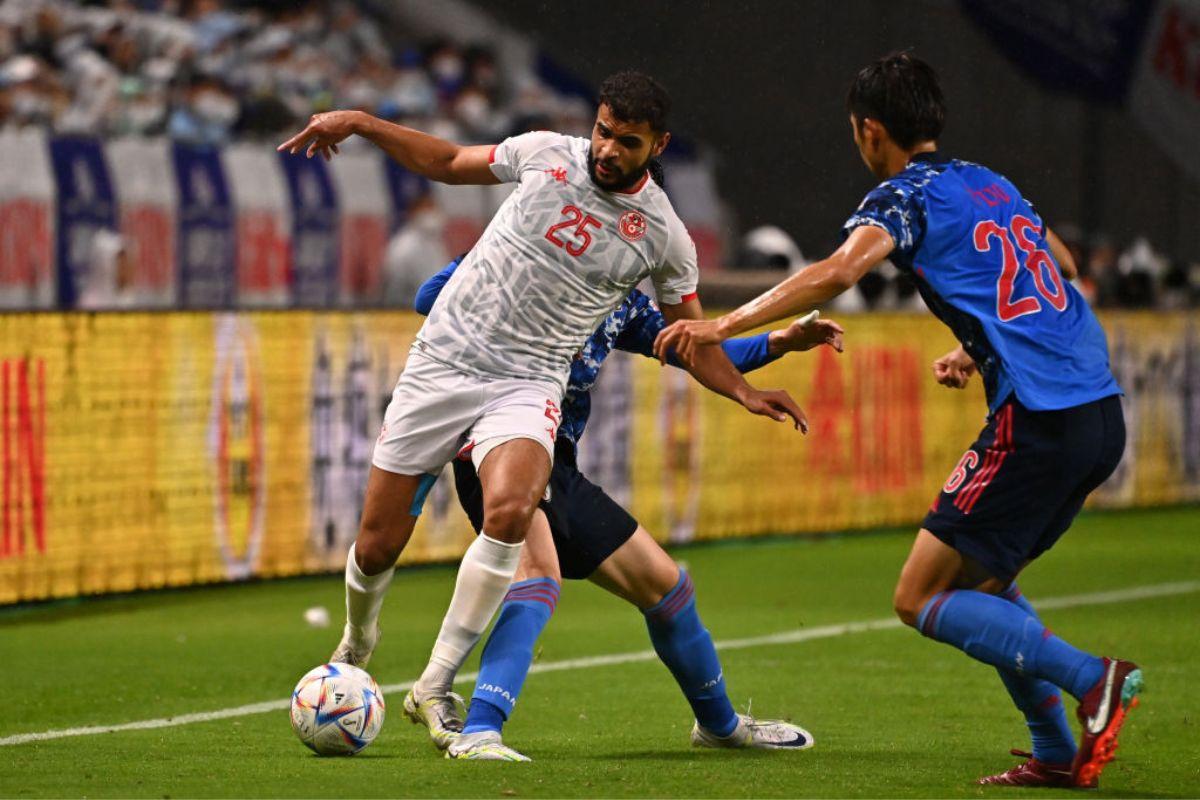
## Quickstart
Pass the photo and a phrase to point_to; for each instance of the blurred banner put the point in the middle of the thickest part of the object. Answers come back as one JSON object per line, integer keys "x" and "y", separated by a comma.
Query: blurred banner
{"x": 151, "y": 223}
{"x": 143, "y": 450}
{"x": 27, "y": 223}
{"x": 1165, "y": 96}
{"x": 1082, "y": 47}
{"x": 1141, "y": 54}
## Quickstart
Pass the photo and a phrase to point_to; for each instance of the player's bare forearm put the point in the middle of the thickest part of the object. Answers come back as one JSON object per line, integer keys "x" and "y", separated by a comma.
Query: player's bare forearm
{"x": 710, "y": 366}
{"x": 436, "y": 159}
{"x": 866, "y": 246}
{"x": 815, "y": 284}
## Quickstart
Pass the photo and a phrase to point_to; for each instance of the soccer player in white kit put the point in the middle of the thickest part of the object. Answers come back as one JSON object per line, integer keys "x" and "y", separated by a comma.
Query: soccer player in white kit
{"x": 489, "y": 366}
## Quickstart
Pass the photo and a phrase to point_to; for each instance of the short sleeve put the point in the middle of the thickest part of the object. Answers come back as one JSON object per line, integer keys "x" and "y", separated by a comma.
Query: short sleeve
{"x": 897, "y": 208}
{"x": 643, "y": 321}
{"x": 678, "y": 274}
{"x": 509, "y": 159}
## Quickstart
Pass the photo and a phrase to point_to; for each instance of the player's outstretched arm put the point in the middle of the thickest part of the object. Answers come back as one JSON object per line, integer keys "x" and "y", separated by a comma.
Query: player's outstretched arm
{"x": 436, "y": 159}
{"x": 644, "y": 322}
{"x": 866, "y": 246}
{"x": 712, "y": 368}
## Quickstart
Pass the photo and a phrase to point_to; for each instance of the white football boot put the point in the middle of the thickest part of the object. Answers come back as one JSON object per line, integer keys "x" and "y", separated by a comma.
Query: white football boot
{"x": 483, "y": 746}
{"x": 356, "y": 647}
{"x": 764, "y": 734}
{"x": 441, "y": 714}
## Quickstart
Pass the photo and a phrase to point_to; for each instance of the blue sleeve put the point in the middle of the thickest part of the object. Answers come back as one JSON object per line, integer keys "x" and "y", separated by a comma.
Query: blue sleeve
{"x": 430, "y": 289}
{"x": 643, "y": 321}
{"x": 896, "y": 206}
{"x": 748, "y": 353}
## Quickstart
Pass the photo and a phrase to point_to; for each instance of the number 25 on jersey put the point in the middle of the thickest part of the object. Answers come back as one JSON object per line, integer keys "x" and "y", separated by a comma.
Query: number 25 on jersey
{"x": 581, "y": 235}
{"x": 1046, "y": 276}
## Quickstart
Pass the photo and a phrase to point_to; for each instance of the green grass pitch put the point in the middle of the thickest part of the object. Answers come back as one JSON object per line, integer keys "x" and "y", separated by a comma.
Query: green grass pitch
{"x": 894, "y": 714}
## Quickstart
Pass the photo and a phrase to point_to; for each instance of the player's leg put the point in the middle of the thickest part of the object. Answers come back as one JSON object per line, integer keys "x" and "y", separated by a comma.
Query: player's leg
{"x": 642, "y": 573}
{"x": 513, "y": 475}
{"x": 387, "y": 523}
{"x": 431, "y": 408}
{"x": 948, "y": 592}
{"x": 1049, "y": 761}
{"x": 952, "y": 606}
{"x": 508, "y": 652}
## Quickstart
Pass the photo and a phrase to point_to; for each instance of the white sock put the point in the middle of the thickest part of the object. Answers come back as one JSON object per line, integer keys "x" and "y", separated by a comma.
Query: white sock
{"x": 364, "y": 596}
{"x": 484, "y": 576}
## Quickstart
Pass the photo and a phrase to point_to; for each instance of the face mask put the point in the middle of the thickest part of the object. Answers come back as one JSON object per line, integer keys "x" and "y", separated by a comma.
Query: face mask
{"x": 29, "y": 104}
{"x": 447, "y": 68}
{"x": 429, "y": 221}
{"x": 473, "y": 109}
{"x": 216, "y": 107}
{"x": 144, "y": 115}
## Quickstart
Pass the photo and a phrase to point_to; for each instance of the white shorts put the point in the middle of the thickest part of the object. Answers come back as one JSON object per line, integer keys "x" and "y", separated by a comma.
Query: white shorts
{"x": 437, "y": 413}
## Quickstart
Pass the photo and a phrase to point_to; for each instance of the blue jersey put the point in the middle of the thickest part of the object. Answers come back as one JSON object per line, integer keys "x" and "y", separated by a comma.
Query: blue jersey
{"x": 632, "y": 327}
{"x": 978, "y": 254}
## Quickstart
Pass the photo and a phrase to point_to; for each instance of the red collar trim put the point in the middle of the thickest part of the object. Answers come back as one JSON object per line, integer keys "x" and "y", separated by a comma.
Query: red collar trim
{"x": 635, "y": 189}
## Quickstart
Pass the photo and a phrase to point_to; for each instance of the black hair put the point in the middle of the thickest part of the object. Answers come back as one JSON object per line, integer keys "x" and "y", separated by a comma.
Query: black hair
{"x": 901, "y": 92}
{"x": 634, "y": 96}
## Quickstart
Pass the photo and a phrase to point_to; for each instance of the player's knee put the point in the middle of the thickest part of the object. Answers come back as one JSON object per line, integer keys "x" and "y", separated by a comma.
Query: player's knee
{"x": 907, "y": 606}
{"x": 376, "y": 549}
{"x": 507, "y": 518}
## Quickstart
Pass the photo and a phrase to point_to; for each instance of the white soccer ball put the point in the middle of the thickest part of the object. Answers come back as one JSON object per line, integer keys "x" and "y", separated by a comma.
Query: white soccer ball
{"x": 337, "y": 710}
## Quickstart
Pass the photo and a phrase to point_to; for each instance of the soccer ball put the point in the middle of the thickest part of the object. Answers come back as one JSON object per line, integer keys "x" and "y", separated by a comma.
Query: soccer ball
{"x": 337, "y": 710}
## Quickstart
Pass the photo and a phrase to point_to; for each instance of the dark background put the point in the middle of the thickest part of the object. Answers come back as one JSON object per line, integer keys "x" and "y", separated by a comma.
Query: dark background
{"x": 763, "y": 84}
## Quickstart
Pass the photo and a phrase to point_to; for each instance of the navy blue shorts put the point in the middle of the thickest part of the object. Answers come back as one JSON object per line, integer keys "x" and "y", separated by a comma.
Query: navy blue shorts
{"x": 1018, "y": 488}
{"x": 587, "y": 525}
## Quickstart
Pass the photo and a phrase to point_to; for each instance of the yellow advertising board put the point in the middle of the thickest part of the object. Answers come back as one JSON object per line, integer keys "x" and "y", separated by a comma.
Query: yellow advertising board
{"x": 142, "y": 450}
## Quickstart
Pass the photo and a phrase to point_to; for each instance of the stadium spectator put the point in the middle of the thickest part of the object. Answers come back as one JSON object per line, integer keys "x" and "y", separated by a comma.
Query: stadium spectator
{"x": 415, "y": 253}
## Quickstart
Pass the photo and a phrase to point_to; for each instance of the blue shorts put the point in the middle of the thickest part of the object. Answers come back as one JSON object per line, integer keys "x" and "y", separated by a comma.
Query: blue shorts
{"x": 1018, "y": 488}
{"x": 587, "y": 525}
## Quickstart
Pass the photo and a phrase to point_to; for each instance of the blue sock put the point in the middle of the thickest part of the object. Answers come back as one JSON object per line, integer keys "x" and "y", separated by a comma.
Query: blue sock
{"x": 997, "y": 632}
{"x": 686, "y": 648}
{"x": 509, "y": 652}
{"x": 1041, "y": 703}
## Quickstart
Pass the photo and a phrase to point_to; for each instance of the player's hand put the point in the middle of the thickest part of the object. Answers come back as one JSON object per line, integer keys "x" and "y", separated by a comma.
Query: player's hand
{"x": 954, "y": 369}
{"x": 322, "y": 134}
{"x": 684, "y": 336}
{"x": 774, "y": 403}
{"x": 805, "y": 333}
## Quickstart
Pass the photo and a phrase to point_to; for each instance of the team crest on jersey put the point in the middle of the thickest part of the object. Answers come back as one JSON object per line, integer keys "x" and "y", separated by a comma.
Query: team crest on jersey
{"x": 631, "y": 226}
{"x": 558, "y": 173}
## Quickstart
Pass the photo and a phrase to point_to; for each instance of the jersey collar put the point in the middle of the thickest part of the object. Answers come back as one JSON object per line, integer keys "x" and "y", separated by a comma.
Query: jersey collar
{"x": 932, "y": 157}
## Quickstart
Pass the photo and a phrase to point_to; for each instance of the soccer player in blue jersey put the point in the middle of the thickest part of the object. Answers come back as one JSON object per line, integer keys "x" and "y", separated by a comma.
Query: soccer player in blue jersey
{"x": 986, "y": 265}
{"x": 581, "y": 532}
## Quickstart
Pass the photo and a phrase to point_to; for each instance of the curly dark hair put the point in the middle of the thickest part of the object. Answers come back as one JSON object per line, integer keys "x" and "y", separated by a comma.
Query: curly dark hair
{"x": 634, "y": 96}
{"x": 901, "y": 92}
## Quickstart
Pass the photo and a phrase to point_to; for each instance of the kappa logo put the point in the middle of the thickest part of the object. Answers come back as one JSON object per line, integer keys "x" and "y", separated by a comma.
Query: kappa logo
{"x": 557, "y": 173}
{"x": 631, "y": 226}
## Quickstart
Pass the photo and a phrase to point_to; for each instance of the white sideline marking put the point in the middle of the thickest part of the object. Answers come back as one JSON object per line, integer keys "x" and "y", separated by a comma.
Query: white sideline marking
{"x": 785, "y": 637}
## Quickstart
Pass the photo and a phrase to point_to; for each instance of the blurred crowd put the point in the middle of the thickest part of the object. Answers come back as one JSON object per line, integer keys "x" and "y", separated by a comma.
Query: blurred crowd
{"x": 1136, "y": 276}
{"x": 207, "y": 71}
{"x": 212, "y": 71}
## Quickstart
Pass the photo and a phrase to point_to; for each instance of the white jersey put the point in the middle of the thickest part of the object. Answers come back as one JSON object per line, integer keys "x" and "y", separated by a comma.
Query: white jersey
{"x": 558, "y": 257}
